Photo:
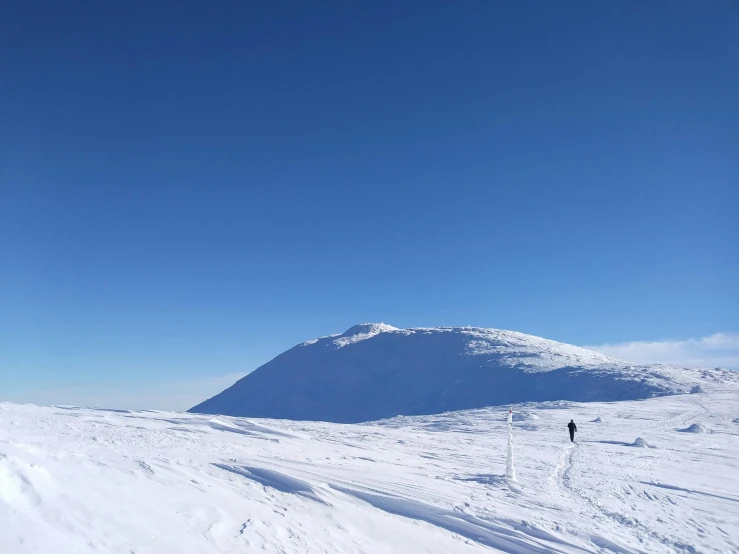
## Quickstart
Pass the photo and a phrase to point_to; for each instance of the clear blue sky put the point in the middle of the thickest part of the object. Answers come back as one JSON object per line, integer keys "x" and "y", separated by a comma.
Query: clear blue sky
{"x": 187, "y": 189}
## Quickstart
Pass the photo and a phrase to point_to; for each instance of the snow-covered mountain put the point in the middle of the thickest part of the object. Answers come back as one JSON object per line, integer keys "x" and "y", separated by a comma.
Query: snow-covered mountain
{"x": 375, "y": 371}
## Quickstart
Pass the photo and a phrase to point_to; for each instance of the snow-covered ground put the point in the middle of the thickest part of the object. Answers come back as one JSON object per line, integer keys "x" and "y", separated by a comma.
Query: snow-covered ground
{"x": 81, "y": 481}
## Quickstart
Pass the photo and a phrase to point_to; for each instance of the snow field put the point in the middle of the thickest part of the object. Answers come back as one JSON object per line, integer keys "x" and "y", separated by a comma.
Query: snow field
{"x": 79, "y": 480}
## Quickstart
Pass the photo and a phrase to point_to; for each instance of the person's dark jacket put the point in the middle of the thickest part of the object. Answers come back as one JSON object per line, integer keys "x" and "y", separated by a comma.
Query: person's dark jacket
{"x": 572, "y": 427}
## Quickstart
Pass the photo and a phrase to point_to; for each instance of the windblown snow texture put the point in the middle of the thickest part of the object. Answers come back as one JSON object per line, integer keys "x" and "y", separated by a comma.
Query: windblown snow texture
{"x": 375, "y": 371}
{"x": 80, "y": 481}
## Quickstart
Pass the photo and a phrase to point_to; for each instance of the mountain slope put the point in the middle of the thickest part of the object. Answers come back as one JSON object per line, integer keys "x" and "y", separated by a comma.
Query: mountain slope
{"x": 375, "y": 371}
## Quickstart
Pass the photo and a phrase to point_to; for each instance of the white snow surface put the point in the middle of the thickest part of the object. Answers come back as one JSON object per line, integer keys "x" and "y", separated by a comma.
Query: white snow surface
{"x": 695, "y": 428}
{"x": 362, "y": 332}
{"x": 81, "y": 481}
{"x": 374, "y": 371}
{"x": 530, "y": 353}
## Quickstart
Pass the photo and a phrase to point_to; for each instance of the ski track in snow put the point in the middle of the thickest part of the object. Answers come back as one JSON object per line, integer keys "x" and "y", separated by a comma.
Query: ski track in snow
{"x": 80, "y": 481}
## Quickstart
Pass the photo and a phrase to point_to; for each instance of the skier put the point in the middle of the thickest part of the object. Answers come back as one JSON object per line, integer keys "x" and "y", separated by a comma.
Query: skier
{"x": 573, "y": 428}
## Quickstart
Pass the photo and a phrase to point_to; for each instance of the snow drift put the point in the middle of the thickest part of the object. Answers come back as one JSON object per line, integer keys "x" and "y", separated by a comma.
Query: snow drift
{"x": 375, "y": 371}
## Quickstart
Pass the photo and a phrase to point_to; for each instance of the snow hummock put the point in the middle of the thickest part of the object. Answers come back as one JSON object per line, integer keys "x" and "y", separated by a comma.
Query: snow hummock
{"x": 640, "y": 443}
{"x": 82, "y": 481}
{"x": 374, "y": 371}
{"x": 695, "y": 428}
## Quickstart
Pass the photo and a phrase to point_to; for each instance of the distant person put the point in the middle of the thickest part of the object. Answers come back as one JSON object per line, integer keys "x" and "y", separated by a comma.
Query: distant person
{"x": 573, "y": 429}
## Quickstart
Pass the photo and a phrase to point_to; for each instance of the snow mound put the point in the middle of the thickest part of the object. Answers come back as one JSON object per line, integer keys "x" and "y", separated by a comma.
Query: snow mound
{"x": 597, "y": 420}
{"x": 376, "y": 371}
{"x": 640, "y": 443}
{"x": 695, "y": 428}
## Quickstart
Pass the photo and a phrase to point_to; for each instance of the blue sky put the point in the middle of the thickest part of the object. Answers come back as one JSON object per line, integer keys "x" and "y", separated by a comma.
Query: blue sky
{"x": 188, "y": 190}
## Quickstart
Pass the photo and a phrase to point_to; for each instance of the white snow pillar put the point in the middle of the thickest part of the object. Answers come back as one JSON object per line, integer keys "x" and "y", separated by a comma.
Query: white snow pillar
{"x": 510, "y": 471}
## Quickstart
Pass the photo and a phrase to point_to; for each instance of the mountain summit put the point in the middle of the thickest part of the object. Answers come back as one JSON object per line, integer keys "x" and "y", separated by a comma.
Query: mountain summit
{"x": 374, "y": 371}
